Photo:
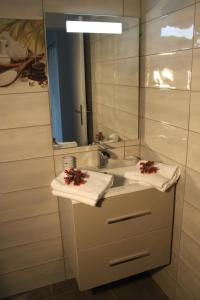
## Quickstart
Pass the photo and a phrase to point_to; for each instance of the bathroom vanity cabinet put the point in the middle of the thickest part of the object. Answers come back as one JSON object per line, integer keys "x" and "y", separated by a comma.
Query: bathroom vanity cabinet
{"x": 128, "y": 234}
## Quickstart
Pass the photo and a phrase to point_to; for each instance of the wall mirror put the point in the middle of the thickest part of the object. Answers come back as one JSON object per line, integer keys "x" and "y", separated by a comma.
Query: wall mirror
{"x": 93, "y": 80}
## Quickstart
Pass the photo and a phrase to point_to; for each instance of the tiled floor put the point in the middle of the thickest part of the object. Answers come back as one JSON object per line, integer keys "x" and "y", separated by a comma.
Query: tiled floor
{"x": 140, "y": 287}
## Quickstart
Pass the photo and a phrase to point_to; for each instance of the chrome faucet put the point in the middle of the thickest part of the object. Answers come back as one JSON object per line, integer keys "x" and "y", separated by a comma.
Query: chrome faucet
{"x": 104, "y": 156}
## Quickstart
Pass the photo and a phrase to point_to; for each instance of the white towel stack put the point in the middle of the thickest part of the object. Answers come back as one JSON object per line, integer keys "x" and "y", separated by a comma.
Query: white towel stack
{"x": 89, "y": 193}
{"x": 165, "y": 177}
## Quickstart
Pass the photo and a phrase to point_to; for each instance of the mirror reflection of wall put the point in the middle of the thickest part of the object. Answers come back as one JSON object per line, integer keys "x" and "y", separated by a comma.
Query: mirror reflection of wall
{"x": 93, "y": 81}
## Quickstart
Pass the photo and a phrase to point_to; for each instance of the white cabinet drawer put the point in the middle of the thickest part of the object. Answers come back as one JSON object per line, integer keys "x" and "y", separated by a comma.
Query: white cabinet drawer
{"x": 121, "y": 217}
{"x": 111, "y": 262}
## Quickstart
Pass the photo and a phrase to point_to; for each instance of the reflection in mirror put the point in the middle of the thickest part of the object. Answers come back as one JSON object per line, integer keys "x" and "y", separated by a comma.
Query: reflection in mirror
{"x": 93, "y": 81}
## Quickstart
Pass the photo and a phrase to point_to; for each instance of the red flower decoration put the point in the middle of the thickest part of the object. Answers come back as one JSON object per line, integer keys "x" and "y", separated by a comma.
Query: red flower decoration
{"x": 148, "y": 167}
{"x": 75, "y": 176}
{"x": 99, "y": 136}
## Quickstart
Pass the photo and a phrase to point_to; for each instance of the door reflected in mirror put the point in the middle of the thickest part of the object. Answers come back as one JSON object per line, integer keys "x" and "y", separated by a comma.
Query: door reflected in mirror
{"x": 93, "y": 81}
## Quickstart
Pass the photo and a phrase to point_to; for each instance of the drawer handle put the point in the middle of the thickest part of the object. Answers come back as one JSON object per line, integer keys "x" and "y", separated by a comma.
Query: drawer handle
{"x": 129, "y": 216}
{"x": 125, "y": 259}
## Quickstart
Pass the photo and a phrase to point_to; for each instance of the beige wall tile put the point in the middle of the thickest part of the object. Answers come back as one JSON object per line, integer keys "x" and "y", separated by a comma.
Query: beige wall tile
{"x": 29, "y": 279}
{"x": 168, "y": 140}
{"x": 16, "y": 258}
{"x": 167, "y": 70}
{"x": 132, "y": 8}
{"x": 114, "y": 120}
{"x": 127, "y": 98}
{"x": 127, "y": 44}
{"x": 108, "y": 117}
{"x": 131, "y": 21}
{"x": 164, "y": 34}
{"x": 132, "y": 151}
{"x": 133, "y": 142}
{"x": 168, "y": 106}
{"x": 20, "y": 10}
{"x": 127, "y": 71}
{"x": 155, "y": 8}
{"x": 172, "y": 268}
{"x": 26, "y": 174}
{"x": 197, "y": 26}
{"x": 196, "y": 70}
{"x": 191, "y": 225}
{"x": 27, "y": 203}
{"x": 104, "y": 72}
{"x": 104, "y": 94}
{"x": 105, "y": 48}
{"x": 126, "y": 125}
{"x": 180, "y": 186}
{"x": 99, "y": 113}
{"x": 20, "y": 110}
{"x": 109, "y": 7}
{"x": 192, "y": 187}
{"x": 29, "y": 230}
{"x": 68, "y": 269}
{"x": 112, "y": 145}
{"x": 178, "y": 213}
{"x": 167, "y": 284}
{"x": 176, "y": 239}
{"x": 182, "y": 294}
{"x": 193, "y": 151}
{"x": 188, "y": 279}
{"x": 23, "y": 143}
{"x": 195, "y": 112}
{"x": 189, "y": 252}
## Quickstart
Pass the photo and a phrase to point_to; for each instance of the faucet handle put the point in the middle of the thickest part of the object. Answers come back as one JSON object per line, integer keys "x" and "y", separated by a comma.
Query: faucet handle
{"x": 104, "y": 156}
{"x": 105, "y": 153}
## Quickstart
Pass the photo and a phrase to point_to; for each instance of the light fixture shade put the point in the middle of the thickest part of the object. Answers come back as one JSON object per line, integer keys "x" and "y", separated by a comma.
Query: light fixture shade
{"x": 94, "y": 27}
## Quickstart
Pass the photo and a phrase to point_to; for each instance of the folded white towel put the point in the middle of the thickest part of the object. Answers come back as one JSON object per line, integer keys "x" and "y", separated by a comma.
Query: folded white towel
{"x": 75, "y": 198}
{"x": 89, "y": 193}
{"x": 165, "y": 177}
